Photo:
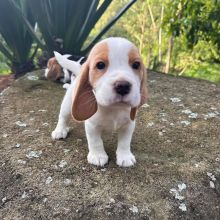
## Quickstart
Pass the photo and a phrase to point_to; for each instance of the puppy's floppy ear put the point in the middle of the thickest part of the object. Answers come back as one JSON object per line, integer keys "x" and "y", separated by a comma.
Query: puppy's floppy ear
{"x": 144, "y": 94}
{"x": 54, "y": 69}
{"x": 54, "y": 72}
{"x": 84, "y": 102}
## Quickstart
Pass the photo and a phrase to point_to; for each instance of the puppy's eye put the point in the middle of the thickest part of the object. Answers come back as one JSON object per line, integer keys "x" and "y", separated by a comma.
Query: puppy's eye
{"x": 136, "y": 65}
{"x": 100, "y": 65}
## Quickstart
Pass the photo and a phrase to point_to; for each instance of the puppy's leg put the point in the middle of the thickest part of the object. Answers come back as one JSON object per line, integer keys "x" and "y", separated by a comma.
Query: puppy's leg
{"x": 66, "y": 76}
{"x": 97, "y": 154}
{"x": 61, "y": 129}
{"x": 46, "y": 72}
{"x": 124, "y": 156}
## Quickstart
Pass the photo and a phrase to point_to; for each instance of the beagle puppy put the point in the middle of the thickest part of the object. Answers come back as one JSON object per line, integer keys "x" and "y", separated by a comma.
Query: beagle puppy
{"x": 106, "y": 94}
{"x": 63, "y": 67}
{"x": 53, "y": 71}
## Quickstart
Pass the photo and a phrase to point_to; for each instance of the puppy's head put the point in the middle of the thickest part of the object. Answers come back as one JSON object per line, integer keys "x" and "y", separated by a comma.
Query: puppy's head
{"x": 113, "y": 75}
{"x": 54, "y": 70}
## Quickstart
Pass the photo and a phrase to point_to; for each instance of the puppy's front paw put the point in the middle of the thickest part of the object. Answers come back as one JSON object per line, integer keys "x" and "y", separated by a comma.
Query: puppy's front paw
{"x": 97, "y": 158}
{"x": 125, "y": 159}
{"x": 59, "y": 133}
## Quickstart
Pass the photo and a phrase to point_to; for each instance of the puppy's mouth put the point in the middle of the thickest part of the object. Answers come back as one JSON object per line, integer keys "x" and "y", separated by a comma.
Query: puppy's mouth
{"x": 121, "y": 100}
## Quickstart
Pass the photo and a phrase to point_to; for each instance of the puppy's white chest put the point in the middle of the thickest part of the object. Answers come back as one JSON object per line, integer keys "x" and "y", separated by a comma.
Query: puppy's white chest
{"x": 111, "y": 119}
{"x": 114, "y": 123}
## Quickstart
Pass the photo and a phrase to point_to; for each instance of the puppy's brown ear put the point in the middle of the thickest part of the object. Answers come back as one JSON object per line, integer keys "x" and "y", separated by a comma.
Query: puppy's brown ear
{"x": 54, "y": 69}
{"x": 144, "y": 94}
{"x": 54, "y": 72}
{"x": 84, "y": 102}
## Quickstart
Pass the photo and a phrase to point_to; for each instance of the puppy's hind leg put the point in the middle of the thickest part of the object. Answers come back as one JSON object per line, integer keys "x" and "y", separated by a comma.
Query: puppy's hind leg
{"x": 62, "y": 129}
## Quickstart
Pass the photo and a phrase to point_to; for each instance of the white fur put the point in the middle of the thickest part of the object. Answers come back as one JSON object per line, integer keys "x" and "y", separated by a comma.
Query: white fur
{"x": 110, "y": 114}
{"x": 73, "y": 66}
{"x": 118, "y": 70}
{"x": 46, "y": 72}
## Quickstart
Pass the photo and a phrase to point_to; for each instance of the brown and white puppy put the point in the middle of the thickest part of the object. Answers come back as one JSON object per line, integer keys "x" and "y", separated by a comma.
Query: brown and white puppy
{"x": 62, "y": 67}
{"x": 106, "y": 95}
{"x": 53, "y": 71}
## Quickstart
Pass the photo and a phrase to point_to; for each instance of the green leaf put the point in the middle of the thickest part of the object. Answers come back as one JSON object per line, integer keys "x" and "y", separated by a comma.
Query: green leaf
{"x": 108, "y": 26}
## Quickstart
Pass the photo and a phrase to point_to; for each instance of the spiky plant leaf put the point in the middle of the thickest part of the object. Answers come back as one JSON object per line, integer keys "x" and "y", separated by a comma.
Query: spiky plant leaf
{"x": 70, "y": 22}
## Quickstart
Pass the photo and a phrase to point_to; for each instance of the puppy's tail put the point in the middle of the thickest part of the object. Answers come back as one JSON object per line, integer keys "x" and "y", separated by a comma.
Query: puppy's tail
{"x": 70, "y": 65}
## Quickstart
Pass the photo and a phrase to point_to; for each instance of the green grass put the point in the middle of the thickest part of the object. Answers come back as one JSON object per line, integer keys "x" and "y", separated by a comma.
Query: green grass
{"x": 207, "y": 71}
{"x": 4, "y": 69}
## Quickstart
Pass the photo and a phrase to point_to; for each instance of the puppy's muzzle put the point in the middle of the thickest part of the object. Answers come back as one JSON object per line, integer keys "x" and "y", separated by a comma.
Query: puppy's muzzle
{"x": 122, "y": 87}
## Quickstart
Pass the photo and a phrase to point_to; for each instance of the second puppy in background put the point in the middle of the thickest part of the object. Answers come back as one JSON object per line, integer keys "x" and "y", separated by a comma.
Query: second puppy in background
{"x": 63, "y": 68}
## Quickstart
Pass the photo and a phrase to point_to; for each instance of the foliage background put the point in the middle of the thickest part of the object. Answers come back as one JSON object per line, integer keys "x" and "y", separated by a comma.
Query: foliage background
{"x": 189, "y": 27}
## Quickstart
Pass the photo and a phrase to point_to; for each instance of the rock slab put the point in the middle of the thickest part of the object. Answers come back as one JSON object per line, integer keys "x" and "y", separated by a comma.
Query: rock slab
{"x": 176, "y": 143}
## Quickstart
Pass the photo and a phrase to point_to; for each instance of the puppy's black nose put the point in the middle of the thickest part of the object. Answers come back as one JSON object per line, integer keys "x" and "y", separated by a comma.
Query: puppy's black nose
{"x": 122, "y": 87}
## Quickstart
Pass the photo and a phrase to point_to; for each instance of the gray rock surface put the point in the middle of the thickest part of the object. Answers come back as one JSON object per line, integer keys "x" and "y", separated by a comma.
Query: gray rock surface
{"x": 176, "y": 143}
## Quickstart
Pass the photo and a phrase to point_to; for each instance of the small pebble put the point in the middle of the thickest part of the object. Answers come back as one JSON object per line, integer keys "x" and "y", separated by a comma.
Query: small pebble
{"x": 181, "y": 186}
{"x": 33, "y": 78}
{"x": 24, "y": 195}
{"x": 67, "y": 182}
{"x": 4, "y": 199}
{"x": 22, "y": 161}
{"x": 20, "y": 124}
{"x": 17, "y": 145}
{"x": 212, "y": 185}
{"x": 182, "y": 206}
{"x": 112, "y": 200}
{"x": 187, "y": 111}
{"x": 175, "y": 100}
{"x": 193, "y": 115}
{"x": 185, "y": 122}
{"x": 145, "y": 105}
{"x": 62, "y": 163}
{"x": 49, "y": 180}
{"x": 66, "y": 151}
{"x": 134, "y": 209}
{"x": 34, "y": 154}
{"x": 79, "y": 141}
{"x": 42, "y": 110}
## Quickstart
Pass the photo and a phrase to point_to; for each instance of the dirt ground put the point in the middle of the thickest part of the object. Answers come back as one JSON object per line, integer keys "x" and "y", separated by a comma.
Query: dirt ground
{"x": 6, "y": 81}
{"x": 176, "y": 143}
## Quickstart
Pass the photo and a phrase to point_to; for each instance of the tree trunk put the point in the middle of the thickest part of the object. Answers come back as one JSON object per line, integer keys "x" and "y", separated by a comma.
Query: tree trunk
{"x": 151, "y": 16}
{"x": 148, "y": 62}
{"x": 169, "y": 54}
{"x": 160, "y": 36}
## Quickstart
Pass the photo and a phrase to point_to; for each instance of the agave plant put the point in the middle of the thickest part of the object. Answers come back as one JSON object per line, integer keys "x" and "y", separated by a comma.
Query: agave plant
{"x": 15, "y": 39}
{"x": 65, "y": 25}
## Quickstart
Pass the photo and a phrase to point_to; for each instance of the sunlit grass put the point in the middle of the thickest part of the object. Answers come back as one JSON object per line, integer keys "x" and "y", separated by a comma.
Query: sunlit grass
{"x": 207, "y": 71}
{"x": 4, "y": 69}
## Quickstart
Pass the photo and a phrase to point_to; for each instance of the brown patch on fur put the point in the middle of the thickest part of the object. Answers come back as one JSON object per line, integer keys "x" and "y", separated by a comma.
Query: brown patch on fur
{"x": 133, "y": 56}
{"x": 54, "y": 69}
{"x": 98, "y": 54}
{"x": 142, "y": 73}
{"x": 84, "y": 102}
